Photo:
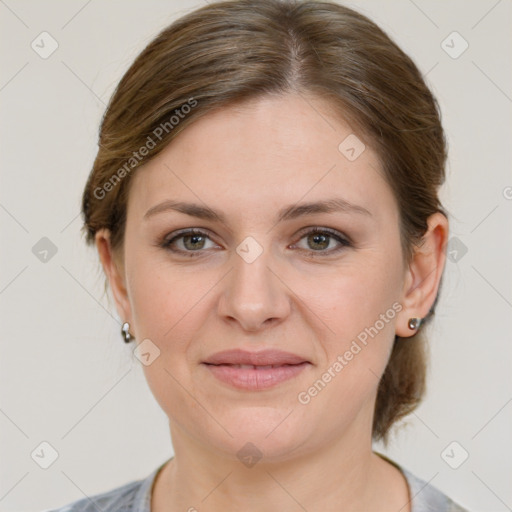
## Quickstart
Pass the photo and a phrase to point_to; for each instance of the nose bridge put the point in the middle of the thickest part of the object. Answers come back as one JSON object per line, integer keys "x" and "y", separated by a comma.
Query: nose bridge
{"x": 253, "y": 294}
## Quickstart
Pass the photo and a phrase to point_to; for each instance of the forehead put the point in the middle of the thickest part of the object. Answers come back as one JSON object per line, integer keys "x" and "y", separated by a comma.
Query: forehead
{"x": 264, "y": 153}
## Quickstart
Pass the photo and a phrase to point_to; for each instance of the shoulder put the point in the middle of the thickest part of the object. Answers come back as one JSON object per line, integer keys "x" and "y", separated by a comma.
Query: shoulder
{"x": 426, "y": 498}
{"x": 131, "y": 497}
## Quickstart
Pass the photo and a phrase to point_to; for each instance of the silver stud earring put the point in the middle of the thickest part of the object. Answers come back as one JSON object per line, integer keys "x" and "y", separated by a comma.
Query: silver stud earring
{"x": 414, "y": 323}
{"x": 125, "y": 333}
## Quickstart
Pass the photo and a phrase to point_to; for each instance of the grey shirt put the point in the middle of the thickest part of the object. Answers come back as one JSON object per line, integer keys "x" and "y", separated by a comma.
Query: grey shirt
{"x": 136, "y": 497}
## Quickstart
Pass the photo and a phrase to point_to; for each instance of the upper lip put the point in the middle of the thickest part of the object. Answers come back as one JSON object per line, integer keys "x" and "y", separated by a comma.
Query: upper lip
{"x": 262, "y": 358}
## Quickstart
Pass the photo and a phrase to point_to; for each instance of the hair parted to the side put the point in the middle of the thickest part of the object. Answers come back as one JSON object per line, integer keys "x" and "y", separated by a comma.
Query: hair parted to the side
{"x": 232, "y": 51}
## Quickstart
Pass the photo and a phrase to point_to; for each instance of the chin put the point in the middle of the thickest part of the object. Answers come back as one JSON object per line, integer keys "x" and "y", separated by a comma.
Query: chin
{"x": 260, "y": 432}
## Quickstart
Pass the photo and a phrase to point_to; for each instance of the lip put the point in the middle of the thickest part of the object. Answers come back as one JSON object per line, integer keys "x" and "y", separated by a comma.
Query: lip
{"x": 261, "y": 358}
{"x": 255, "y": 371}
{"x": 252, "y": 379}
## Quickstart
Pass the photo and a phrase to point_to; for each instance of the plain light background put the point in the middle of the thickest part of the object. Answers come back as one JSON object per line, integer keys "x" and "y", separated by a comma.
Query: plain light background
{"x": 67, "y": 378}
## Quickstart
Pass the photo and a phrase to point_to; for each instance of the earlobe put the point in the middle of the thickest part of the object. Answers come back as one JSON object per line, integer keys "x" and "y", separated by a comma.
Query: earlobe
{"x": 423, "y": 276}
{"x": 114, "y": 272}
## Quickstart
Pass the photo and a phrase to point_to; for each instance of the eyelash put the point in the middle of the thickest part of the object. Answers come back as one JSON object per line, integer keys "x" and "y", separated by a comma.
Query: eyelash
{"x": 332, "y": 234}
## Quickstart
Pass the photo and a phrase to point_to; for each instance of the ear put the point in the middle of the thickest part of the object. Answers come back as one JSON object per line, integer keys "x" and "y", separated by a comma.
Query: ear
{"x": 423, "y": 274}
{"x": 114, "y": 270}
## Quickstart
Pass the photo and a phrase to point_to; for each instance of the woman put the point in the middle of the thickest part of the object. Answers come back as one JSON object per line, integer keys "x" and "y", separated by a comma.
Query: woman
{"x": 264, "y": 202}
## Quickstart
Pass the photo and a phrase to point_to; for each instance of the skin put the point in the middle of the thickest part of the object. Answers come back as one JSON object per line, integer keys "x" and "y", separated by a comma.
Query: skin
{"x": 248, "y": 162}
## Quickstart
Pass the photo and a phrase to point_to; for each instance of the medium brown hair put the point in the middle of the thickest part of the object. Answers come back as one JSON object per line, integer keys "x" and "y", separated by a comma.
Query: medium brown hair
{"x": 232, "y": 51}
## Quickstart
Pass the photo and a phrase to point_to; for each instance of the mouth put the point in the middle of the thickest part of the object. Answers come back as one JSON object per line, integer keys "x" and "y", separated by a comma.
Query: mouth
{"x": 255, "y": 367}
{"x": 263, "y": 358}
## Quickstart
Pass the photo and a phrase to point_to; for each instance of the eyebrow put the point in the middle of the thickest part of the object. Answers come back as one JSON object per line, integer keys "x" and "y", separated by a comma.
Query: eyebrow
{"x": 287, "y": 213}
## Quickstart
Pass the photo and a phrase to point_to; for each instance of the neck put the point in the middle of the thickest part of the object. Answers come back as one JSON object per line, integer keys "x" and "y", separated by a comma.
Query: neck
{"x": 341, "y": 472}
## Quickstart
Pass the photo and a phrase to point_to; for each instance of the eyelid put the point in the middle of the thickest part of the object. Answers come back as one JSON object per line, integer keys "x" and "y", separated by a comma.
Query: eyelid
{"x": 168, "y": 239}
{"x": 343, "y": 240}
{"x": 325, "y": 229}
{"x": 187, "y": 231}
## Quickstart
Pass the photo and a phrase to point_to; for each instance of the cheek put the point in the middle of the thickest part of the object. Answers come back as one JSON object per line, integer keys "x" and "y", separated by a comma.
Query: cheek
{"x": 344, "y": 387}
{"x": 168, "y": 310}
{"x": 164, "y": 298}
{"x": 354, "y": 297}
{"x": 359, "y": 313}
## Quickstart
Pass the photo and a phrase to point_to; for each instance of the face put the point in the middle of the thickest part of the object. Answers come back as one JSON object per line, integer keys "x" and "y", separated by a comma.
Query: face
{"x": 322, "y": 284}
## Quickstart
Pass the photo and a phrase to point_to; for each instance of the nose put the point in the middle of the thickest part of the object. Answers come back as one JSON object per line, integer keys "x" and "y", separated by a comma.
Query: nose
{"x": 254, "y": 294}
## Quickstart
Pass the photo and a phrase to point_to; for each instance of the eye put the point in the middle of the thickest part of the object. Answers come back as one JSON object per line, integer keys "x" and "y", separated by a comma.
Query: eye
{"x": 318, "y": 240}
{"x": 189, "y": 241}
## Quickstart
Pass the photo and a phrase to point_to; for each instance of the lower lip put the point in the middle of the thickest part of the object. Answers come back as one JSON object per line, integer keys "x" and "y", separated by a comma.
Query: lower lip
{"x": 253, "y": 379}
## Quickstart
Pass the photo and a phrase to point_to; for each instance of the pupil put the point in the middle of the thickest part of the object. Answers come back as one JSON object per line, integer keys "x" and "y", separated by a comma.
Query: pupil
{"x": 193, "y": 239}
{"x": 321, "y": 239}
